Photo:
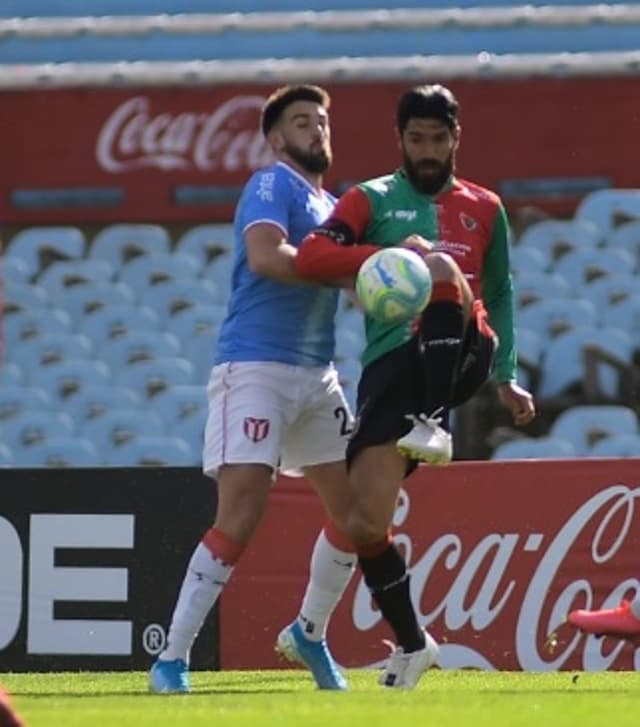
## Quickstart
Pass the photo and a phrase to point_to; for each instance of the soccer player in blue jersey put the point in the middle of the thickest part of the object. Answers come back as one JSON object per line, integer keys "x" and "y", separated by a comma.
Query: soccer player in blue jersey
{"x": 274, "y": 396}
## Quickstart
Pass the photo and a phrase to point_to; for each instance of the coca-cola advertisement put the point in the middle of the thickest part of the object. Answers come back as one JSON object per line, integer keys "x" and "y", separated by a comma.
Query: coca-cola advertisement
{"x": 182, "y": 154}
{"x": 498, "y": 554}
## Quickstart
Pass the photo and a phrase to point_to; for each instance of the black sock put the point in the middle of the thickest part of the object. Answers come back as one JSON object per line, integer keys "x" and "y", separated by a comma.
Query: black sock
{"x": 387, "y": 578}
{"x": 441, "y": 332}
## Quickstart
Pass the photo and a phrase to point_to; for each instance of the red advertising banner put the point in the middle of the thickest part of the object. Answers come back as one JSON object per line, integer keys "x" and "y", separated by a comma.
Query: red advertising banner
{"x": 498, "y": 554}
{"x": 180, "y": 154}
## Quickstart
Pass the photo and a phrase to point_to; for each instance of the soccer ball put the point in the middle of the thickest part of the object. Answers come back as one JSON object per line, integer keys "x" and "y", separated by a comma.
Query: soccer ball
{"x": 394, "y": 285}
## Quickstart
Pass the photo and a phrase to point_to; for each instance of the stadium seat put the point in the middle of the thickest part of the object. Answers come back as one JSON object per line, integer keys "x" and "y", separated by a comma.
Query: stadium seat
{"x": 563, "y": 365}
{"x": 196, "y": 322}
{"x": 15, "y": 399}
{"x": 532, "y": 287}
{"x": 191, "y": 429}
{"x": 627, "y": 237}
{"x": 583, "y": 426}
{"x": 618, "y": 445}
{"x": 6, "y": 456}
{"x": 62, "y": 276}
{"x": 116, "y": 320}
{"x": 150, "y": 270}
{"x": 611, "y": 290}
{"x": 122, "y": 242}
{"x": 154, "y": 451}
{"x": 527, "y": 260}
{"x": 60, "y": 451}
{"x": 625, "y": 316}
{"x": 81, "y": 300}
{"x": 206, "y": 242}
{"x": 65, "y": 378}
{"x": 95, "y": 401}
{"x": 23, "y": 325}
{"x": 29, "y": 427}
{"x": 220, "y": 270}
{"x": 138, "y": 346}
{"x": 609, "y": 208}
{"x": 171, "y": 297}
{"x": 179, "y": 403}
{"x": 22, "y": 296}
{"x": 50, "y": 348}
{"x": 582, "y": 266}
{"x": 530, "y": 348}
{"x": 549, "y": 318}
{"x": 10, "y": 374}
{"x": 201, "y": 353}
{"x": 150, "y": 377}
{"x": 555, "y": 238}
{"x": 539, "y": 448}
{"x": 15, "y": 269}
{"x": 39, "y": 246}
{"x": 117, "y": 426}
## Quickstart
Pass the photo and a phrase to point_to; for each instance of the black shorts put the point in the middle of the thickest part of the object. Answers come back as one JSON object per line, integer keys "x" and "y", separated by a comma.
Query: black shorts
{"x": 394, "y": 385}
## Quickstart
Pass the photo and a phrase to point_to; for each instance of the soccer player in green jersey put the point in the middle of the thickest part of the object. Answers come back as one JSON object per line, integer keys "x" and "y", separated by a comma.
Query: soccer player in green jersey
{"x": 415, "y": 373}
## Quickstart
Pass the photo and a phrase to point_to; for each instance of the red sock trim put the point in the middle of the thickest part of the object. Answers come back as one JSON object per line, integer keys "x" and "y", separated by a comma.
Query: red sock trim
{"x": 337, "y": 538}
{"x": 222, "y": 547}
{"x": 446, "y": 291}
{"x": 371, "y": 551}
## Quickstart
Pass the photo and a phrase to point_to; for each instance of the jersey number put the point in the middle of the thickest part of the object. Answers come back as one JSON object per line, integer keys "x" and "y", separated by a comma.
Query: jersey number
{"x": 342, "y": 415}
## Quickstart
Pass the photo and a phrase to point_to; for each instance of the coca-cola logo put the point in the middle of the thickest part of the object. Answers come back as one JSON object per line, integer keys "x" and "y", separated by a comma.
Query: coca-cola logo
{"x": 227, "y": 139}
{"x": 486, "y": 586}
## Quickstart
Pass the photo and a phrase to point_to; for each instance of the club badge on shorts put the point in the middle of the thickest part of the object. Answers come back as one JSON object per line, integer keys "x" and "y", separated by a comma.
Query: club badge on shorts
{"x": 255, "y": 429}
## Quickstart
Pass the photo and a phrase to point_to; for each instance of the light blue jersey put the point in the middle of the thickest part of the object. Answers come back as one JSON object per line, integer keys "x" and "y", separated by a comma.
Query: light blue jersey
{"x": 268, "y": 320}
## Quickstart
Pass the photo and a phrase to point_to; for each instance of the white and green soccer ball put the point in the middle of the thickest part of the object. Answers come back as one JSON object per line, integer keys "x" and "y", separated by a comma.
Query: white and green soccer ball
{"x": 394, "y": 285}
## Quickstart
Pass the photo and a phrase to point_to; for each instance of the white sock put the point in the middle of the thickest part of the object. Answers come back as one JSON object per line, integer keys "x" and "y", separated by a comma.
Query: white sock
{"x": 203, "y": 582}
{"x": 635, "y": 606}
{"x": 329, "y": 573}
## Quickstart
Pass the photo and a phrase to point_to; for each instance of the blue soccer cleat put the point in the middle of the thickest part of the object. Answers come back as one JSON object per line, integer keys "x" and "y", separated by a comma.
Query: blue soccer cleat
{"x": 169, "y": 677}
{"x": 315, "y": 655}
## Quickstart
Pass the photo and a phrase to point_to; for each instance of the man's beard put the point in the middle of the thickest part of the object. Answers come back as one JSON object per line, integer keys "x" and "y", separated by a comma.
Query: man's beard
{"x": 313, "y": 162}
{"x": 438, "y": 173}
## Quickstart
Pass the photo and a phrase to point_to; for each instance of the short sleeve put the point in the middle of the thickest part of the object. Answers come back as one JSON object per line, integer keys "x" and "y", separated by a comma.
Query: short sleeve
{"x": 266, "y": 199}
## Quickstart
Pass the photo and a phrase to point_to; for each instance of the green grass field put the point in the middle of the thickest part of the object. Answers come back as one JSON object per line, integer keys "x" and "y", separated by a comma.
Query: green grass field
{"x": 288, "y": 699}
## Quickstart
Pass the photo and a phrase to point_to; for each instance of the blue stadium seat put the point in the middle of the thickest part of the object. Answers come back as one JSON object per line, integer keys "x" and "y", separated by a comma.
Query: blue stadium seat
{"x": 22, "y": 296}
{"x": 583, "y": 426}
{"x": 196, "y": 322}
{"x": 530, "y": 347}
{"x": 627, "y": 237}
{"x": 15, "y": 269}
{"x": 59, "y": 452}
{"x": 582, "y": 266}
{"x": 532, "y": 287}
{"x": 549, "y": 318}
{"x": 81, "y": 300}
{"x": 154, "y": 451}
{"x": 563, "y": 363}
{"x": 118, "y": 426}
{"x": 36, "y": 246}
{"x": 65, "y": 378}
{"x": 200, "y": 351}
{"x": 23, "y": 325}
{"x": 123, "y": 242}
{"x": 539, "y": 448}
{"x": 206, "y": 242}
{"x": 625, "y": 316}
{"x": 191, "y": 430}
{"x": 10, "y": 374}
{"x": 174, "y": 296}
{"x": 30, "y": 426}
{"x": 116, "y": 320}
{"x": 611, "y": 290}
{"x": 524, "y": 259}
{"x": 151, "y": 270}
{"x": 15, "y": 399}
{"x": 95, "y": 401}
{"x": 608, "y": 208}
{"x": 220, "y": 270}
{"x": 179, "y": 403}
{"x": 6, "y": 456}
{"x": 50, "y": 348}
{"x": 138, "y": 346}
{"x": 617, "y": 445}
{"x": 555, "y": 238}
{"x": 150, "y": 377}
{"x": 62, "y": 276}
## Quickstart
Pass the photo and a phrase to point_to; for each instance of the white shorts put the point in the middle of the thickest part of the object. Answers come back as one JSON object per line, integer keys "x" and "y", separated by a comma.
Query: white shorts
{"x": 275, "y": 414}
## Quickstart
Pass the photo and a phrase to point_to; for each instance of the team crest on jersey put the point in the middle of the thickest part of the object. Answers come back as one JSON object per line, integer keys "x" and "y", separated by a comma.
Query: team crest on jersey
{"x": 255, "y": 429}
{"x": 468, "y": 222}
